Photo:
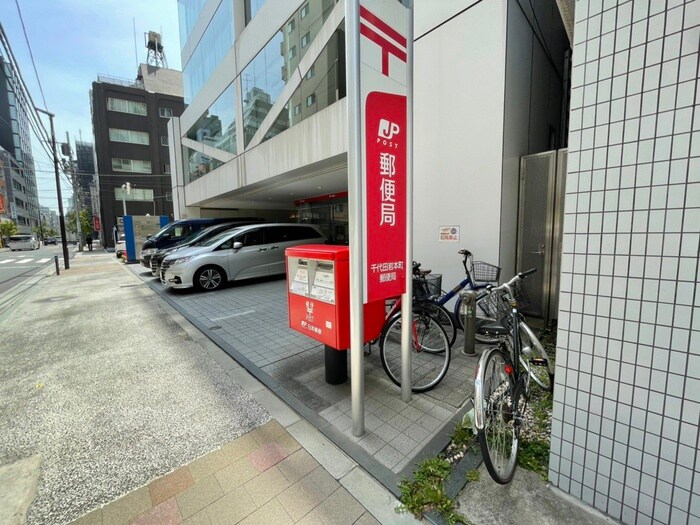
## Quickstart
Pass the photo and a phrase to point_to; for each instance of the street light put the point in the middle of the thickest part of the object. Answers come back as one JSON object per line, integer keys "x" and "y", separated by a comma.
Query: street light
{"x": 126, "y": 188}
{"x": 61, "y": 220}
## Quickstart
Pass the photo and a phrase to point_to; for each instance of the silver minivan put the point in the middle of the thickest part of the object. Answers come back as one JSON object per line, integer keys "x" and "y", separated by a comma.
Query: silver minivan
{"x": 256, "y": 250}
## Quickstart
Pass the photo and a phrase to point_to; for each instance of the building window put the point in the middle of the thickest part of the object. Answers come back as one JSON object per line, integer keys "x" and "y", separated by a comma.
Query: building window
{"x": 166, "y": 168}
{"x": 165, "y": 112}
{"x": 311, "y": 72}
{"x": 216, "y": 127}
{"x": 310, "y": 100}
{"x": 126, "y": 106}
{"x": 164, "y": 140}
{"x": 129, "y": 136}
{"x": 292, "y": 52}
{"x": 297, "y": 109}
{"x": 306, "y": 39}
{"x": 131, "y": 165}
{"x": 305, "y": 11}
{"x": 290, "y": 26}
{"x": 169, "y": 196}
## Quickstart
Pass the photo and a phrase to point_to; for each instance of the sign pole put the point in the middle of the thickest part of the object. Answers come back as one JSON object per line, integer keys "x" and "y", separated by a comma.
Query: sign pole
{"x": 406, "y": 299}
{"x": 357, "y": 376}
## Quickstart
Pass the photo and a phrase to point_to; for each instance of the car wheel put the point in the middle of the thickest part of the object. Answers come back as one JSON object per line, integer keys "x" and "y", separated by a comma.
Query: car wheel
{"x": 209, "y": 278}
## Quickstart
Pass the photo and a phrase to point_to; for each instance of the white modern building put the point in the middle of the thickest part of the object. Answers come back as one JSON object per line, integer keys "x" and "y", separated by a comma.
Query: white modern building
{"x": 265, "y": 132}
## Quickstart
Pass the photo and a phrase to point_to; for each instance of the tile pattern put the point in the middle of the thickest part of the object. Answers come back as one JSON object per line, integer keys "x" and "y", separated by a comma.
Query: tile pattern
{"x": 627, "y": 394}
{"x": 229, "y": 486}
{"x": 252, "y": 318}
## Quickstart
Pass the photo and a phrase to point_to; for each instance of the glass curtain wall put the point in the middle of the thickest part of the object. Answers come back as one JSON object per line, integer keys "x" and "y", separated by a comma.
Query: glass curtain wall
{"x": 264, "y": 78}
{"x": 188, "y": 12}
{"x": 251, "y": 9}
{"x": 214, "y": 44}
{"x": 199, "y": 164}
{"x": 323, "y": 84}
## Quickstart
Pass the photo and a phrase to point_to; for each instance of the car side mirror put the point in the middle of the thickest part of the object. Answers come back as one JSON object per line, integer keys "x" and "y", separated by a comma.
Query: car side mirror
{"x": 237, "y": 246}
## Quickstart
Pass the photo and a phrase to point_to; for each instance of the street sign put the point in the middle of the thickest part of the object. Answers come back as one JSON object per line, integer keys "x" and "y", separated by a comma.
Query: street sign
{"x": 383, "y": 96}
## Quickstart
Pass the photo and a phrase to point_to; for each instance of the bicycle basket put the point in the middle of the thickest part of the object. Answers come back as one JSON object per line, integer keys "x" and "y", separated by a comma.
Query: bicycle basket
{"x": 496, "y": 305}
{"x": 483, "y": 271}
{"x": 427, "y": 286}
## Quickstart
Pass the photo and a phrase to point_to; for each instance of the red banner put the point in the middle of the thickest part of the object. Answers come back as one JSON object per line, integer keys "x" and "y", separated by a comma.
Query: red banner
{"x": 96, "y": 222}
{"x": 385, "y": 147}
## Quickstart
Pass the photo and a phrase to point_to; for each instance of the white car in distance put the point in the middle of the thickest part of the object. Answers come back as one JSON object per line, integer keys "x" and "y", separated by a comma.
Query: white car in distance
{"x": 256, "y": 250}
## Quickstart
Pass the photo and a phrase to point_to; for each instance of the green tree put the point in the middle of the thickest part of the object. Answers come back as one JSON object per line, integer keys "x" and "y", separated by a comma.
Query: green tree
{"x": 44, "y": 230}
{"x": 7, "y": 229}
{"x": 85, "y": 223}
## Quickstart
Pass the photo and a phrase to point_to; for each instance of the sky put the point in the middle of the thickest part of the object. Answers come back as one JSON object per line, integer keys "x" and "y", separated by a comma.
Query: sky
{"x": 74, "y": 41}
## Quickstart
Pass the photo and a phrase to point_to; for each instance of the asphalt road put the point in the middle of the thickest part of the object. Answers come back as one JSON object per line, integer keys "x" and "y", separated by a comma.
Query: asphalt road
{"x": 17, "y": 266}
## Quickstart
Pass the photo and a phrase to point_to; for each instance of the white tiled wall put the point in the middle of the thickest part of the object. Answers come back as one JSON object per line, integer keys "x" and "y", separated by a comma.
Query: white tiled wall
{"x": 627, "y": 394}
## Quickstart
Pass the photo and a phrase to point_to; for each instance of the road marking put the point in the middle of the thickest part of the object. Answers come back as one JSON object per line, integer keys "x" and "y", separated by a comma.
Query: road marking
{"x": 44, "y": 260}
{"x": 24, "y": 261}
{"x": 7, "y": 261}
{"x": 234, "y": 315}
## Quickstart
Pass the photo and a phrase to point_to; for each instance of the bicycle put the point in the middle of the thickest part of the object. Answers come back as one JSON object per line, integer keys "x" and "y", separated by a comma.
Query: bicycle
{"x": 501, "y": 389}
{"x": 429, "y": 341}
{"x": 480, "y": 276}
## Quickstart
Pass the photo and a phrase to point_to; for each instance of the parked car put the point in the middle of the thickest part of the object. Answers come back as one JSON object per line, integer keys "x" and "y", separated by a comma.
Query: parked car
{"x": 49, "y": 240}
{"x": 152, "y": 257}
{"x": 23, "y": 242}
{"x": 246, "y": 252}
{"x": 176, "y": 232}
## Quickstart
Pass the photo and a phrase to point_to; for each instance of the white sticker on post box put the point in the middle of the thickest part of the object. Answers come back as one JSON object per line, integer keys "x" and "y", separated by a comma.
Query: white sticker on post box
{"x": 299, "y": 288}
{"x": 302, "y": 275}
{"x": 324, "y": 294}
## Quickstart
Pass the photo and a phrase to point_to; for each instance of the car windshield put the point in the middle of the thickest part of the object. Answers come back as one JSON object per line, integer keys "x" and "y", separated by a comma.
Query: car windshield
{"x": 218, "y": 238}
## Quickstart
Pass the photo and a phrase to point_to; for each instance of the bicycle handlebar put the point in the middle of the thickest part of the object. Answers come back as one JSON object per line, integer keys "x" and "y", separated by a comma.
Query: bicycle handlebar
{"x": 509, "y": 284}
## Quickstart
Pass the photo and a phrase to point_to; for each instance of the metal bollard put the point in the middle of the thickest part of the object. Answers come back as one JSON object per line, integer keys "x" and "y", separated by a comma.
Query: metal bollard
{"x": 55, "y": 260}
{"x": 468, "y": 313}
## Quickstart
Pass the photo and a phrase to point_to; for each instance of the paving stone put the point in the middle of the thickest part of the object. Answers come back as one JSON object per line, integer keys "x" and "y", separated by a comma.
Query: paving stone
{"x": 268, "y": 432}
{"x": 371, "y": 443}
{"x": 389, "y": 456}
{"x": 404, "y": 444}
{"x": 297, "y": 465}
{"x": 266, "y": 486}
{"x": 386, "y": 432}
{"x": 290, "y": 444}
{"x": 166, "y": 513}
{"x": 338, "y": 509}
{"x": 199, "y": 496}
{"x": 207, "y": 465}
{"x": 267, "y": 455}
{"x": 399, "y": 422}
{"x": 231, "y": 508}
{"x": 307, "y": 493}
{"x": 200, "y": 518}
{"x": 272, "y": 513}
{"x": 127, "y": 507}
{"x": 167, "y": 486}
{"x": 367, "y": 519}
{"x": 236, "y": 474}
{"x": 238, "y": 448}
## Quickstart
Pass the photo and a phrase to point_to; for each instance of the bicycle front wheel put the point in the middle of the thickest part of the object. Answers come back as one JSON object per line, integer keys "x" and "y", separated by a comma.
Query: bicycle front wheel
{"x": 430, "y": 351}
{"x": 499, "y": 416}
{"x": 443, "y": 317}
{"x": 534, "y": 359}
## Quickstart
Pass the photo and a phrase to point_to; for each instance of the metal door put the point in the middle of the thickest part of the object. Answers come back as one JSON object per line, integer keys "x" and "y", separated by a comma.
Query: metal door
{"x": 536, "y": 228}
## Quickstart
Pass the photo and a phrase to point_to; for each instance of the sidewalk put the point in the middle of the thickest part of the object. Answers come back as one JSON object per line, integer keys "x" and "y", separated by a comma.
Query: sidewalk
{"x": 116, "y": 409}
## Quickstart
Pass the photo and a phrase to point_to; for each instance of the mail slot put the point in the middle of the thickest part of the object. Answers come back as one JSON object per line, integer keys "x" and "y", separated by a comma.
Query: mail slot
{"x": 318, "y": 286}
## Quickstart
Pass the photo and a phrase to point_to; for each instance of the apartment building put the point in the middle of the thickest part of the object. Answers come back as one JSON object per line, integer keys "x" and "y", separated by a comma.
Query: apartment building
{"x": 131, "y": 144}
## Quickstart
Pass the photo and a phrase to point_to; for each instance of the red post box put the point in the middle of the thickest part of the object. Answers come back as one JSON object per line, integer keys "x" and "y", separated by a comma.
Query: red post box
{"x": 318, "y": 292}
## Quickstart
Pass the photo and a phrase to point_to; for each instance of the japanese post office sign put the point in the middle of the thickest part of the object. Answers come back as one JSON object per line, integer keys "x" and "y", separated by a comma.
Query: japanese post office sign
{"x": 383, "y": 89}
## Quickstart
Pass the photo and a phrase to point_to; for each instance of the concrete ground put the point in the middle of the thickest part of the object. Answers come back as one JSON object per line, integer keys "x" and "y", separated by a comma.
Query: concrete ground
{"x": 115, "y": 409}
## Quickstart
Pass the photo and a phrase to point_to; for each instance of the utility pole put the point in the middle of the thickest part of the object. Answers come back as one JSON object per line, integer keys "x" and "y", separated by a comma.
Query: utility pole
{"x": 76, "y": 193}
{"x": 61, "y": 220}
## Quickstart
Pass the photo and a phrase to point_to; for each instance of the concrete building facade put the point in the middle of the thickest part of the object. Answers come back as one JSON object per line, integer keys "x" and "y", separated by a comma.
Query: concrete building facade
{"x": 130, "y": 121}
{"x": 627, "y": 395}
{"x": 20, "y": 190}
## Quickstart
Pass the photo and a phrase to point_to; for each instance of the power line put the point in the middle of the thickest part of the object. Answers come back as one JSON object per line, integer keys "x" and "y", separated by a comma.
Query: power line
{"x": 24, "y": 30}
